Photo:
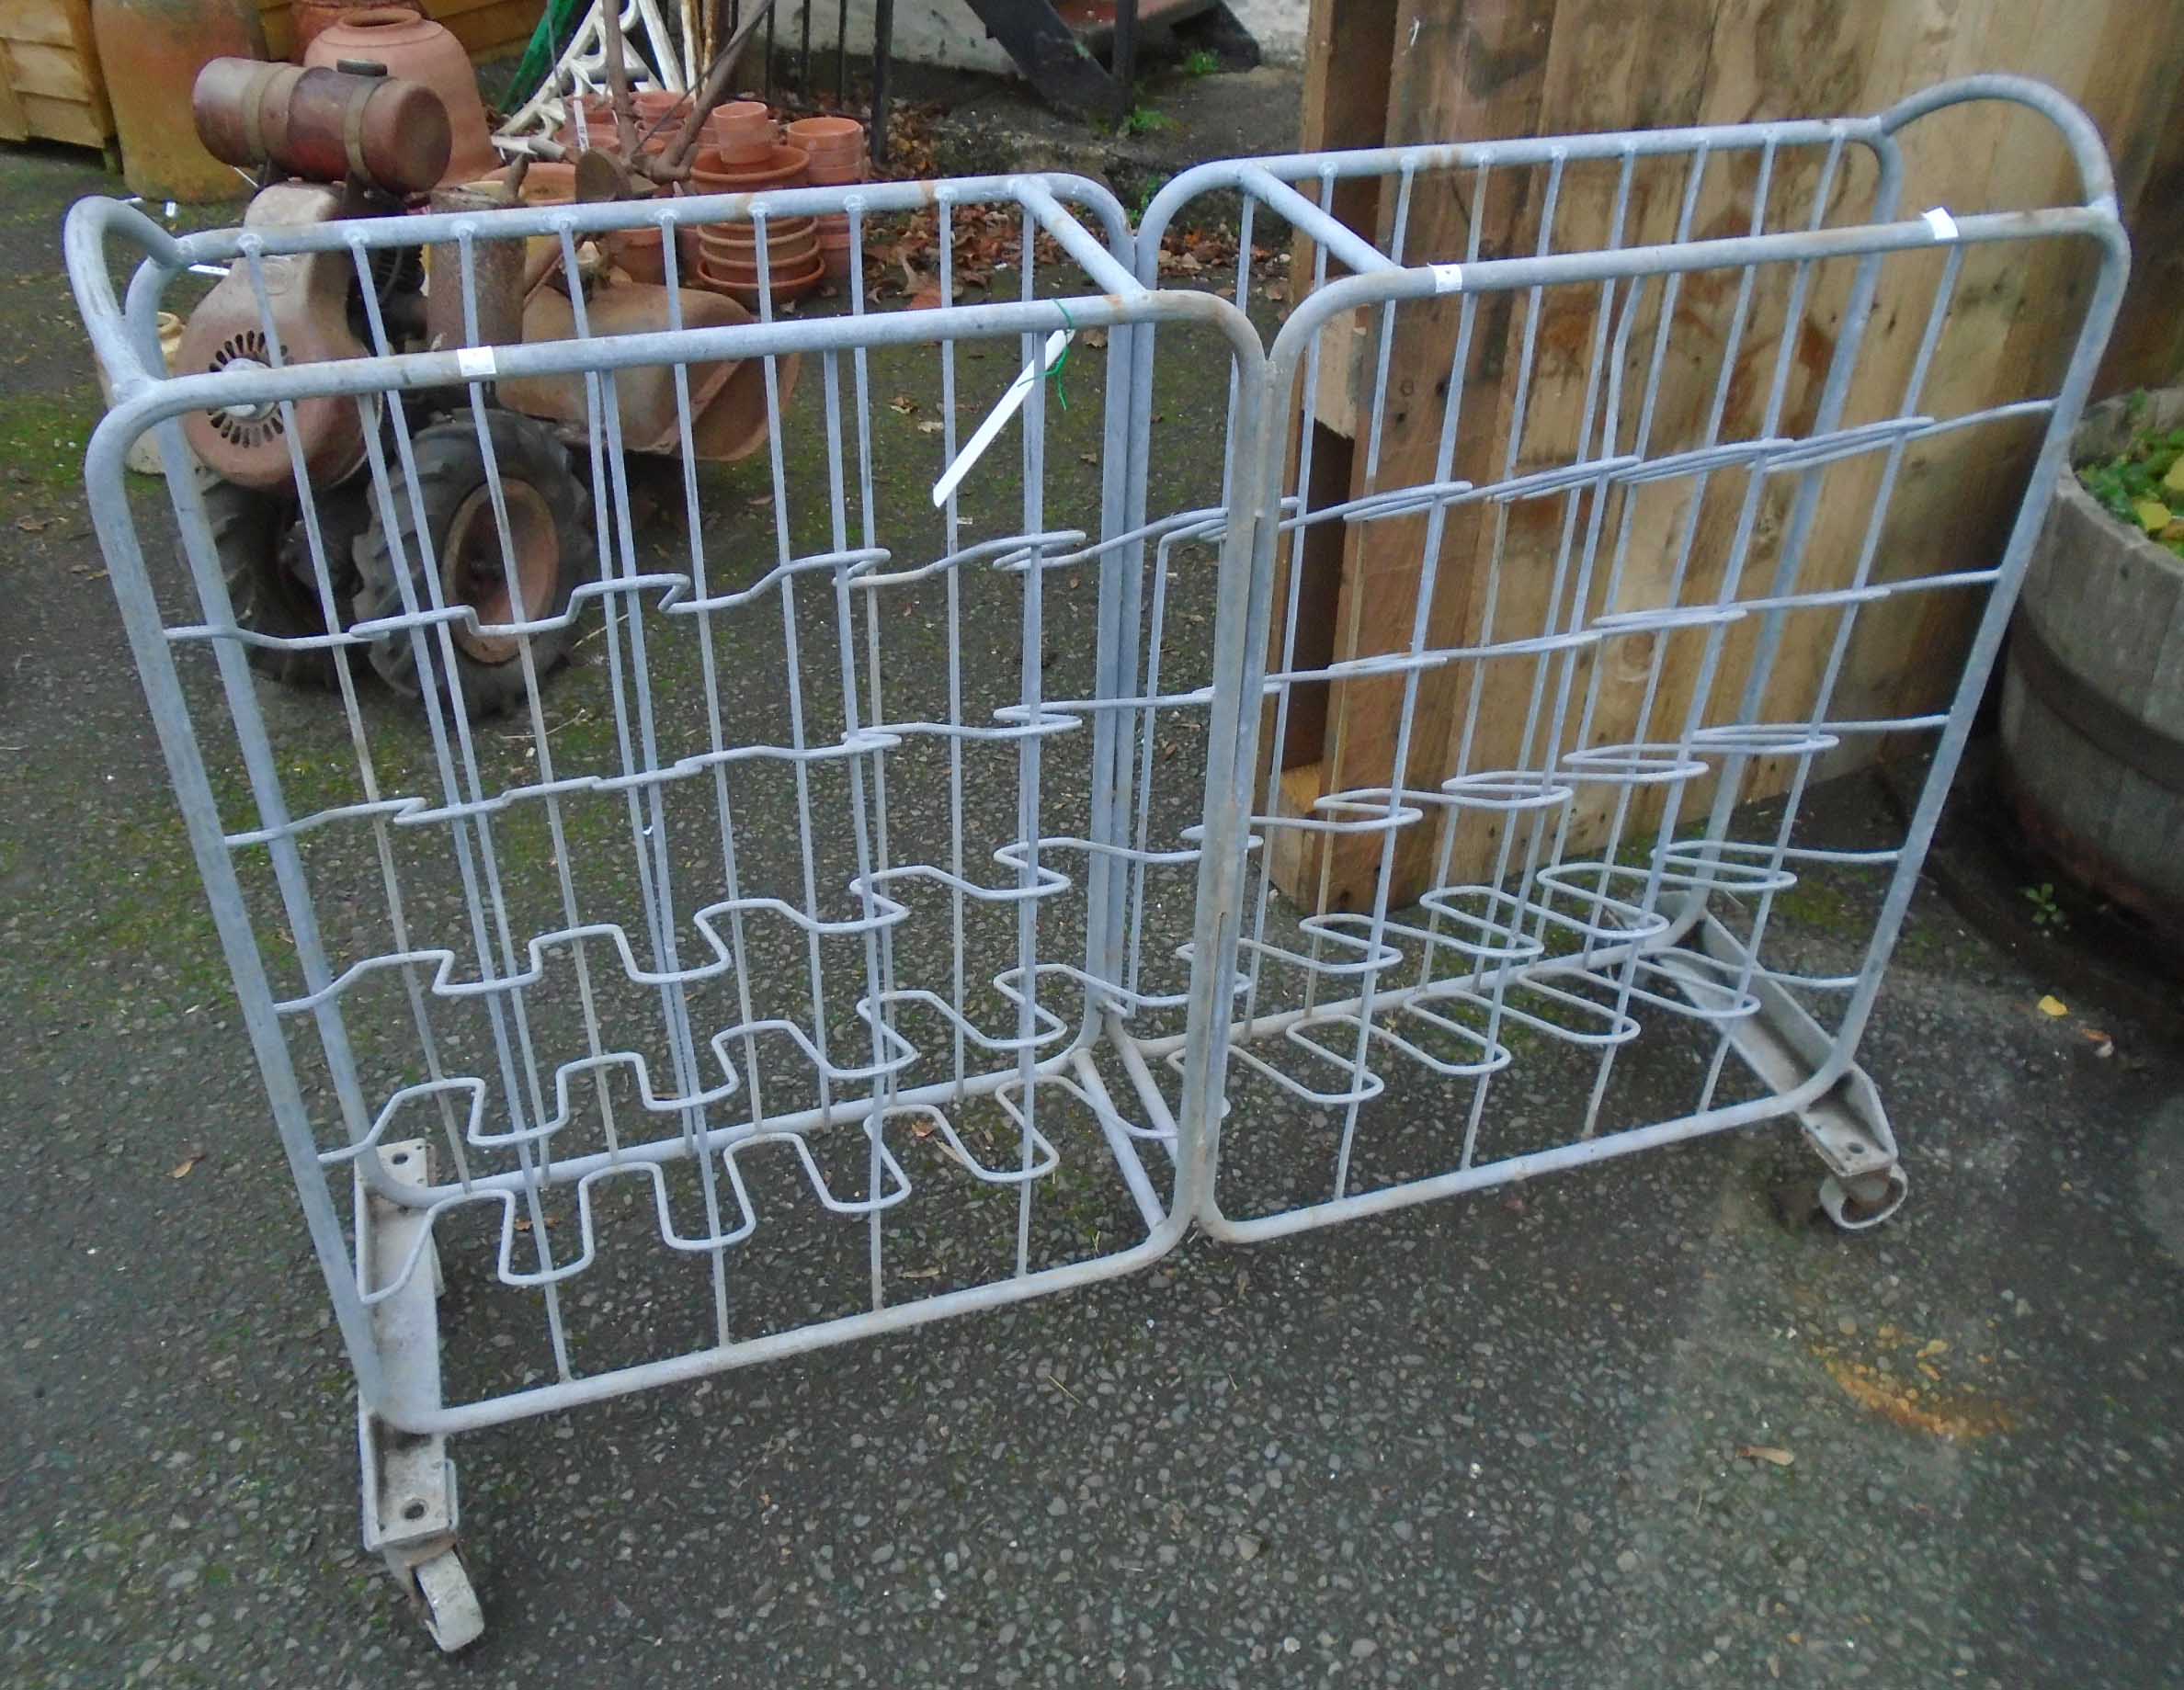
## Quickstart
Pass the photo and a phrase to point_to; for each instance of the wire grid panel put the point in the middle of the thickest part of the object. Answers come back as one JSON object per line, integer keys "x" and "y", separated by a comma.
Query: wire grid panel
{"x": 748, "y": 984}
{"x": 1630, "y": 459}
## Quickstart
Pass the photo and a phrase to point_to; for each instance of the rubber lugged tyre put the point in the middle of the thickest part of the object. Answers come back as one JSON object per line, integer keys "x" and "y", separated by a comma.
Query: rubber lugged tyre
{"x": 535, "y": 472}
{"x": 265, "y": 561}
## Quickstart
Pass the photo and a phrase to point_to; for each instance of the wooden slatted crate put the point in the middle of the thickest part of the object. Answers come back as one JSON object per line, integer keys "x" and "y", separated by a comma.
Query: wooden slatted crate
{"x": 49, "y": 85}
{"x": 50, "y": 88}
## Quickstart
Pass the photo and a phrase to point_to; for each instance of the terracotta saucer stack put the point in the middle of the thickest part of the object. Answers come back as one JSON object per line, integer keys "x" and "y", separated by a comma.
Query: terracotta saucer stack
{"x": 836, "y": 147}
{"x": 748, "y": 157}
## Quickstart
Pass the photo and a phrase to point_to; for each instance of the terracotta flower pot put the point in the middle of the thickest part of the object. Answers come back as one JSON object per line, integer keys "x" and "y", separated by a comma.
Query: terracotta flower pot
{"x": 415, "y": 48}
{"x": 640, "y": 253}
{"x": 309, "y": 19}
{"x": 831, "y": 142}
{"x": 548, "y": 183}
{"x": 744, "y": 133}
{"x": 783, "y": 166}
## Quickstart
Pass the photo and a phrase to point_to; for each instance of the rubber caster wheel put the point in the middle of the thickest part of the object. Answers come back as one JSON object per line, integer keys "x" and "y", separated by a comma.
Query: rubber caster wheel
{"x": 1859, "y": 1204}
{"x": 449, "y": 1605}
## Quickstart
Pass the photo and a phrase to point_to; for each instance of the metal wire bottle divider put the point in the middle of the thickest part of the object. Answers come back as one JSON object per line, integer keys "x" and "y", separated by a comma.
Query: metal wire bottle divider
{"x": 1013, "y": 1003}
{"x": 1663, "y": 612}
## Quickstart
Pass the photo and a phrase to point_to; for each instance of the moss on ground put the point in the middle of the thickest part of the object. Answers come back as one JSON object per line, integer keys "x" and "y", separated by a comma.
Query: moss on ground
{"x": 43, "y": 439}
{"x": 1816, "y": 904}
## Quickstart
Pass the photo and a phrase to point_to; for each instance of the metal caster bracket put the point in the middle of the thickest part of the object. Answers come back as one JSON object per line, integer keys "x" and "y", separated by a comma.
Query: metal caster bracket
{"x": 410, "y": 1509}
{"x": 1845, "y": 1125}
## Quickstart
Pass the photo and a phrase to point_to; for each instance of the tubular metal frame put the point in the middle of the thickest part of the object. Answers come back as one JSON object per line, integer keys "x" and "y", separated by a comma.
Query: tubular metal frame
{"x": 1663, "y": 945}
{"x": 1320, "y": 1014}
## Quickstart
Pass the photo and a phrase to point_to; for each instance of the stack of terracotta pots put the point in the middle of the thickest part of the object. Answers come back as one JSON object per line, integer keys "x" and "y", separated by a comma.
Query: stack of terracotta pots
{"x": 589, "y": 123}
{"x": 836, "y": 147}
{"x": 657, "y": 115}
{"x": 748, "y": 156}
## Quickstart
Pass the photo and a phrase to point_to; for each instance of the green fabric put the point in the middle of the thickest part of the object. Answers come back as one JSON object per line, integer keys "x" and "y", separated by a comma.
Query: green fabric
{"x": 556, "y": 24}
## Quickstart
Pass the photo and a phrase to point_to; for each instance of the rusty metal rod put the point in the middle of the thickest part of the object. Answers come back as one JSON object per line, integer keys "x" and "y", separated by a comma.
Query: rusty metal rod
{"x": 672, "y": 164}
{"x": 618, "y": 75}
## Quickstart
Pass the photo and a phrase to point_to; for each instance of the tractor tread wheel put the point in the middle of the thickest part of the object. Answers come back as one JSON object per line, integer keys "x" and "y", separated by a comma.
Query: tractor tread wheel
{"x": 257, "y": 536}
{"x": 449, "y": 469}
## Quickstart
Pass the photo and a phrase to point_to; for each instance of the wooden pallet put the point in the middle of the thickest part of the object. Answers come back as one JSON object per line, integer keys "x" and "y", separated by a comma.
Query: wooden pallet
{"x": 1402, "y": 72}
{"x": 51, "y": 89}
{"x": 49, "y": 85}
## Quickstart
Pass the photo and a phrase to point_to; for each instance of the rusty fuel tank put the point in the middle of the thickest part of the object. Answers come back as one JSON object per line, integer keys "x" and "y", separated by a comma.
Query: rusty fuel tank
{"x": 323, "y": 125}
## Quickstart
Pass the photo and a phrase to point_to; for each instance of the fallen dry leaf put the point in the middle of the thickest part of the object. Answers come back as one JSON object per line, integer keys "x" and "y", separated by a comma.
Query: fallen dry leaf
{"x": 32, "y": 524}
{"x": 930, "y": 426}
{"x": 1768, "y": 1453}
{"x": 902, "y": 404}
{"x": 921, "y": 1272}
{"x": 928, "y": 298}
{"x": 1937, "y": 1347}
{"x": 181, "y": 1169}
{"x": 2053, "y": 1008}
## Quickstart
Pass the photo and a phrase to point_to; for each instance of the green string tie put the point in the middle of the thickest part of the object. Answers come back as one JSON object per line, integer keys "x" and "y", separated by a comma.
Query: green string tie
{"x": 1062, "y": 363}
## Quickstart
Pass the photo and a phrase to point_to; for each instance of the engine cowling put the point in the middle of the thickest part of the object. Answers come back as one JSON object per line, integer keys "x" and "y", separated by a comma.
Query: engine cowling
{"x": 308, "y": 294}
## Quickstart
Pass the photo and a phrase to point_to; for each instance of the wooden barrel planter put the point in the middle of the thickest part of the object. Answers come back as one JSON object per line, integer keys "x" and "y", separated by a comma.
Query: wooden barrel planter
{"x": 2093, "y": 690}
